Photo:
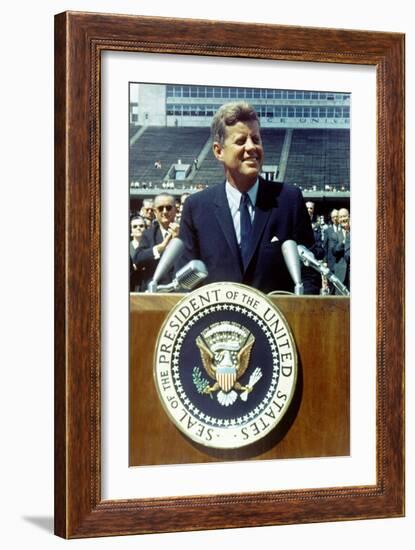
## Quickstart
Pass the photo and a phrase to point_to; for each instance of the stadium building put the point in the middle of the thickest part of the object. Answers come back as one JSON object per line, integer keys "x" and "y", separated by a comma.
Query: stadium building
{"x": 306, "y": 139}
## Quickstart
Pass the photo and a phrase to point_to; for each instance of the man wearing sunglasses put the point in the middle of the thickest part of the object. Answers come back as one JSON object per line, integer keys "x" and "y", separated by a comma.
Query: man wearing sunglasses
{"x": 155, "y": 239}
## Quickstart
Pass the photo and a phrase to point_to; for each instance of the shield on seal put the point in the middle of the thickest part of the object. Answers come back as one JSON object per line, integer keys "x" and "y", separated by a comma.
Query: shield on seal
{"x": 226, "y": 377}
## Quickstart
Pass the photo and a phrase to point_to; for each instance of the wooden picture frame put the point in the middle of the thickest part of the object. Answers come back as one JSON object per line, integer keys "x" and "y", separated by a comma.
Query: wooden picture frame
{"x": 80, "y": 38}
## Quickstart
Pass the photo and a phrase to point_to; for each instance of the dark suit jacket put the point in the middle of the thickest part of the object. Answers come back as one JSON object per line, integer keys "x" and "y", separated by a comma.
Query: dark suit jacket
{"x": 318, "y": 249}
{"x": 144, "y": 257}
{"x": 330, "y": 239}
{"x": 208, "y": 233}
{"x": 136, "y": 275}
{"x": 341, "y": 253}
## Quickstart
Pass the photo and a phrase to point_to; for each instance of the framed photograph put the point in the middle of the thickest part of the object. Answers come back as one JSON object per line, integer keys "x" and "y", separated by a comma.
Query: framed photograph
{"x": 123, "y": 463}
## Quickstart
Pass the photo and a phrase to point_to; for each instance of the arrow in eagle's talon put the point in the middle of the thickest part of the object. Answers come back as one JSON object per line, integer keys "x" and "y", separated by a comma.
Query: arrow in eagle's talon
{"x": 255, "y": 376}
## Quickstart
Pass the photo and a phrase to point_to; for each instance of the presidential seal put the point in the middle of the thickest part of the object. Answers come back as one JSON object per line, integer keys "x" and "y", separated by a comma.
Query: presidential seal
{"x": 225, "y": 365}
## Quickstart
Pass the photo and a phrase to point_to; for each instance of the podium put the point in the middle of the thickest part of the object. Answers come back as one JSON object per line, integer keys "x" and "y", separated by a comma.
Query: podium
{"x": 318, "y": 421}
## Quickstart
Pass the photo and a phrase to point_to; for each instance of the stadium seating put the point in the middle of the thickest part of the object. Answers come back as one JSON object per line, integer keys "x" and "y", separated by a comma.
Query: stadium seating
{"x": 166, "y": 145}
{"x": 272, "y": 141}
{"x": 320, "y": 159}
{"x": 210, "y": 171}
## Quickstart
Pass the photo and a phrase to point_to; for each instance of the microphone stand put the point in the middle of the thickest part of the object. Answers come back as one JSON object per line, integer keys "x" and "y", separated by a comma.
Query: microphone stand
{"x": 152, "y": 286}
{"x": 292, "y": 261}
{"x": 325, "y": 271}
{"x": 173, "y": 251}
{"x": 299, "y": 289}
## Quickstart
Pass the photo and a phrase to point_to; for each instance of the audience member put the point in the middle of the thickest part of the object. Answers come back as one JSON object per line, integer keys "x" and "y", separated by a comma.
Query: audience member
{"x": 330, "y": 238}
{"x": 137, "y": 227}
{"x": 341, "y": 249}
{"x": 317, "y": 249}
{"x": 147, "y": 211}
{"x": 155, "y": 239}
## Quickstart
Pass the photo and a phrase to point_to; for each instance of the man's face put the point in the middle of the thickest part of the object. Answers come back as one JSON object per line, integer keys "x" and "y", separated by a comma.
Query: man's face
{"x": 165, "y": 210}
{"x": 310, "y": 209}
{"x": 344, "y": 219}
{"x": 335, "y": 217}
{"x": 241, "y": 153}
{"x": 147, "y": 210}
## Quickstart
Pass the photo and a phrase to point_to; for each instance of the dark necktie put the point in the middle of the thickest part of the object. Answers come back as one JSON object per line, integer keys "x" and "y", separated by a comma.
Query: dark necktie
{"x": 246, "y": 228}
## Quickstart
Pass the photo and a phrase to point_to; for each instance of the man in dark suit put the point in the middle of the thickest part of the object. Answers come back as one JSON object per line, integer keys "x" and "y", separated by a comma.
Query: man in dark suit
{"x": 318, "y": 229}
{"x": 238, "y": 227}
{"x": 340, "y": 248}
{"x": 155, "y": 239}
{"x": 330, "y": 237}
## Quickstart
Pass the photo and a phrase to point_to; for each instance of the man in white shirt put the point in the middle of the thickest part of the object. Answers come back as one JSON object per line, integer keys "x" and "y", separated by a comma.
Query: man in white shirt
{"x": 237, "y": 227}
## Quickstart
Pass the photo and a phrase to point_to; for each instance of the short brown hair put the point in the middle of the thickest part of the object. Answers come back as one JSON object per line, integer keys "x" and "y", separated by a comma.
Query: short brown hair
{"x": 230, "y": 114}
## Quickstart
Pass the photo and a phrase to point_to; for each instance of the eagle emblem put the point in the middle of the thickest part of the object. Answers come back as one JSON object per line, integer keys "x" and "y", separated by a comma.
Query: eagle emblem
{"x": 225, "y": 350}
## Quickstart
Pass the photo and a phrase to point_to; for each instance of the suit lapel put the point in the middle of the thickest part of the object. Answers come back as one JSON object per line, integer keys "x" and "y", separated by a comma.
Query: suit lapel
{"x": 225, "y": 222}
{"x": 158, "y": 236}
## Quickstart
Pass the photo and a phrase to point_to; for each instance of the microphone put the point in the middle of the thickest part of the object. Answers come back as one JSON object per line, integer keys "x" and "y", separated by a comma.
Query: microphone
{"x": 292, "y": 261}
{"x": 308, "y": 259}
{"x": 187, "y": 277}
{"x": 173, "y": 251}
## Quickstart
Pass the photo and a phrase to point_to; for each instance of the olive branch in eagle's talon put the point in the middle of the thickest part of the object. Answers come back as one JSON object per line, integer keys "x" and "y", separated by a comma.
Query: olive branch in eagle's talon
{"x": 202, "y": 384}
